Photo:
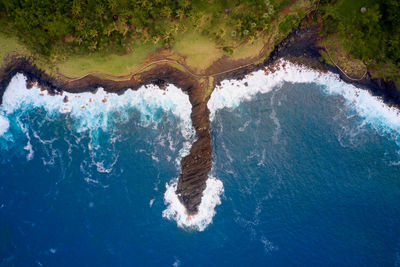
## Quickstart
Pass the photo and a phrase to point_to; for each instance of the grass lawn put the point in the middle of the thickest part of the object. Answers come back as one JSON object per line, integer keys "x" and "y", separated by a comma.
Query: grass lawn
{"x": 353, "y": 67}
{"x": 79, "y": 65}
{"x": 10, "y": 45}
{"x": 250, "y": 49}
{"x": 199, "y": 51}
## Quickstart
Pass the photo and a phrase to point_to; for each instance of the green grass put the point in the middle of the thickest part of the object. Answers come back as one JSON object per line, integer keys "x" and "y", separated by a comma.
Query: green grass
{"x": 10, "y": 45}
{"x": 353, "y": 67}
{"x": 199, "y": 50}
{"x": 347, "y": 8}
{"x": 79, "y": 65}
{"x": 347, "y": 12}
{"x": 280, "y": 4}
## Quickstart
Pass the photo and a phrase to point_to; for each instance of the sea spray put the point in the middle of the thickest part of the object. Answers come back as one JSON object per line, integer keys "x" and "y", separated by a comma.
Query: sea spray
{"x": 176, "y": 211}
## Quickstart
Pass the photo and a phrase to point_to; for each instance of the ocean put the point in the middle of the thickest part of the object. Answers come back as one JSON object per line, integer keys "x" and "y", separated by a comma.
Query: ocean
{"x": 305, "y": 172}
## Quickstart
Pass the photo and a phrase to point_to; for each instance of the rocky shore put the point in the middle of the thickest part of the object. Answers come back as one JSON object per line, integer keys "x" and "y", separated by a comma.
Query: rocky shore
{"x": 195, "y": 166}
{"x": 300, "y": 46}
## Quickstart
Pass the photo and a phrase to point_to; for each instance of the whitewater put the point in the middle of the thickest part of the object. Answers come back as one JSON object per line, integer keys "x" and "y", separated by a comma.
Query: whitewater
{"x": 374, "y": 111}
{"x": 96, "y": 111}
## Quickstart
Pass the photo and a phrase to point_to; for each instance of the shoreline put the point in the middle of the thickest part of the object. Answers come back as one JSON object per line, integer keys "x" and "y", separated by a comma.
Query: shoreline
{"x": 299, "y": 47}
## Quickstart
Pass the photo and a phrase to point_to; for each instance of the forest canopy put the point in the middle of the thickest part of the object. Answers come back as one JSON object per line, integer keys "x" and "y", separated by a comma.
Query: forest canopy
{"x": 103, "y": 24}
{"x": 370, "y": 29}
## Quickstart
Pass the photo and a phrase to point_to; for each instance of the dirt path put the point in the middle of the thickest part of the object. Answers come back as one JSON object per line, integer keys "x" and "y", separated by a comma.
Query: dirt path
{"x": 161, "y": 61}
{"x": 251, "y": 61}
{"x": 344, "y": 73}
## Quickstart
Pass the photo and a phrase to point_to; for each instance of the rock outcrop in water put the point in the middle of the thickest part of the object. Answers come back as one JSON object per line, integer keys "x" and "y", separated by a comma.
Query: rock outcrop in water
{"x": 196, "y": 165}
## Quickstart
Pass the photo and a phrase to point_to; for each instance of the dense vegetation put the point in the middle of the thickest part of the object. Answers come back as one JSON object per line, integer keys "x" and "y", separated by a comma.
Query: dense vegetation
{"x": 45, "y": 25}
{"x": 368, "y": 29}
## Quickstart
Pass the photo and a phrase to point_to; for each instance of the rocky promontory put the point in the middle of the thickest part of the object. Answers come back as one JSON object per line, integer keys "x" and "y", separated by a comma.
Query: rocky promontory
{"x": 299, "y": 46}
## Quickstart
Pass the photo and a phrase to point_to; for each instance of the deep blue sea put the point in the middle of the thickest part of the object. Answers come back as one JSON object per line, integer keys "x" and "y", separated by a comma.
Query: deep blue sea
{"x": 310, "y": 178}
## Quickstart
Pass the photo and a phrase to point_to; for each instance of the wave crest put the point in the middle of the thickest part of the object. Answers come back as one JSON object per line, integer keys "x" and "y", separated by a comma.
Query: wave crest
{"x": 97, "y": 110}
{"x": 177, "y": 212}
{"x": 372, "y": 109}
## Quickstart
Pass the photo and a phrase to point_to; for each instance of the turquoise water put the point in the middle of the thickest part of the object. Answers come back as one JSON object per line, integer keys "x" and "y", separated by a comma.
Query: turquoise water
{"x": 309, "y": 178}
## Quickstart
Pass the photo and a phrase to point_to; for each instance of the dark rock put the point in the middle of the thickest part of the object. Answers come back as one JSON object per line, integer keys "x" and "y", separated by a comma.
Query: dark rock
{"x": 299, "y": 46}
{"x": 196, "y": 165}
{"x": 160, "y": 83}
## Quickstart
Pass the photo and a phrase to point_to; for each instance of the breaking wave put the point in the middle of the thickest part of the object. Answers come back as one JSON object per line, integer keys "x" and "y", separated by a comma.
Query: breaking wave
{"x": 91, "y": 112}
{"x": 176, "y": 211}
{"x": 372, "y": 109}
{"x": 96, "y": 110}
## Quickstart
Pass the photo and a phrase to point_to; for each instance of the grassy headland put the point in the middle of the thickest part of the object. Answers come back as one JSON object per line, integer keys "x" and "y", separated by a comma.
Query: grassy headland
{"x": 75, "y": 38}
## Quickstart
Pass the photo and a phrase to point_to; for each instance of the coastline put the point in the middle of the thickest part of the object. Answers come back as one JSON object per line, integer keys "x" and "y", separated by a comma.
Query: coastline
{"x": 300, "y": 47}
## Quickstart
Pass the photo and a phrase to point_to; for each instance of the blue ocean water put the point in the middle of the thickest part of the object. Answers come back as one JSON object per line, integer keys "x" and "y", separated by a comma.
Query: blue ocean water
{"x": 307, "y": 181}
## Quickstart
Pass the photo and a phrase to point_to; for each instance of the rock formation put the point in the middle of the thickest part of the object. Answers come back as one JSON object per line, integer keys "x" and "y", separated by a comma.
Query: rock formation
{"x": 299, "y": 46}
{"x": 196, "y": 165}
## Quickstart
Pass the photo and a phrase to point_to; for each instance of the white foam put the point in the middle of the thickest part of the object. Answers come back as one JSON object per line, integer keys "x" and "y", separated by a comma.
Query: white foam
{"x": 372, "y": 109}
{"x": 176, "y": 211}
{"x": 28, "y": 148}
{"x": 230, "y": 93}
{"x": 95, "y": 110}
{"x": 268, "y": 245}
{"x": 4, "y": 125}
{"x": 176, "y": 263}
